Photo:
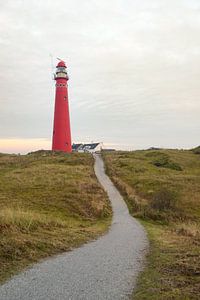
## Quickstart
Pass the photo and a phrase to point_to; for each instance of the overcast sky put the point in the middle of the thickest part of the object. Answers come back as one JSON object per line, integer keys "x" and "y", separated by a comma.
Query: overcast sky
{"x": 134, "y": 68}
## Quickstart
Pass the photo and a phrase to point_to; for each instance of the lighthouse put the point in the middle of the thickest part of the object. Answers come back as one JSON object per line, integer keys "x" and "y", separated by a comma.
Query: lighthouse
{"x": 61, "y": 128}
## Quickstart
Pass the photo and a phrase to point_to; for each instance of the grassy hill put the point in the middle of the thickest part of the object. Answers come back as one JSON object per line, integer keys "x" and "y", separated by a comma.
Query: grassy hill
{"x": 196, "y": 150}
{"x": 49, "y": 203}
{"x": 162, "y": 189}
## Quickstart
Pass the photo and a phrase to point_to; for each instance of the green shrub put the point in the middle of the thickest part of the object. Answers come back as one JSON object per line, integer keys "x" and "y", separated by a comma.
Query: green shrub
{"x": 163, "y": 161}
{"x": 196, "y": 150}
{"x": 163, "y": 200}
{"x": 173, "y": 166}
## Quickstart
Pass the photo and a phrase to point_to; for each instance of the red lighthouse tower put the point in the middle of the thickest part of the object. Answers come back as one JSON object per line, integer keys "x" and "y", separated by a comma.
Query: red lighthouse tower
{"x": 61, "y": 129}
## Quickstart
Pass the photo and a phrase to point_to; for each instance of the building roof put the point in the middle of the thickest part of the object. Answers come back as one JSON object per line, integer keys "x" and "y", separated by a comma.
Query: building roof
{"x": 83, "y": 147}
{"x": 90, "y": 146}
{"x": 76, "y": 146}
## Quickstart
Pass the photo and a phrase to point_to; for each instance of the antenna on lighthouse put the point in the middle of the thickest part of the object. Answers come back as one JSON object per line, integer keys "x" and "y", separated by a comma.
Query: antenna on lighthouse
{"x": 60, "y": 59}
{"x": 52, "y": 67}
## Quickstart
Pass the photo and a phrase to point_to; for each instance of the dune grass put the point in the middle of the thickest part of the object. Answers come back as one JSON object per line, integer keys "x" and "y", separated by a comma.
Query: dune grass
{"x": 49, "y": 203}
{"x": 162, "y": 189}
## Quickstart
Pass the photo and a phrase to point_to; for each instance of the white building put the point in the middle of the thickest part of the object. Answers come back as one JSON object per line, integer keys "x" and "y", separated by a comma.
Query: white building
{"x": 91, "y": 148}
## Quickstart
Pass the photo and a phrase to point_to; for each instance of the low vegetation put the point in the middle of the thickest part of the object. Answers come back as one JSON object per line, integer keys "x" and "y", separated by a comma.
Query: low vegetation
{"x": 162, "y": 189}
{"x": 49, "y": 203}
{"x": 196, "y": 150}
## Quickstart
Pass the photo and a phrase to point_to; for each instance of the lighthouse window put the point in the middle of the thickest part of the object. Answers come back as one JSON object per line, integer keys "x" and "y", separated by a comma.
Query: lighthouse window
{"x": 61, "y": 74}
{"x": 61, "y": 69}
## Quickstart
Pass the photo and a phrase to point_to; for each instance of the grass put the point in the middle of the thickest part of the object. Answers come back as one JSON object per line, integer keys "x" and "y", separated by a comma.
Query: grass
{"x": 196, "y": 150}
{"x": 49, "y": 203}
{"x": 162, "y": 189}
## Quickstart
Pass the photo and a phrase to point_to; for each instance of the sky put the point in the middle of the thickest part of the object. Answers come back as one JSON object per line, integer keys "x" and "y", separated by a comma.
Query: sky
{"x": 134, "y": 68}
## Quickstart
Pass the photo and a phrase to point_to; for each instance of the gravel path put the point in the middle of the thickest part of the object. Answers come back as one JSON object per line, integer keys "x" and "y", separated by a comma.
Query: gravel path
{"x": 103, "y": 269}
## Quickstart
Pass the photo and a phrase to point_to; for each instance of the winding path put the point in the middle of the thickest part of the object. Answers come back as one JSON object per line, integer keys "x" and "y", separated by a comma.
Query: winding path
{"x": 103, "y": 269}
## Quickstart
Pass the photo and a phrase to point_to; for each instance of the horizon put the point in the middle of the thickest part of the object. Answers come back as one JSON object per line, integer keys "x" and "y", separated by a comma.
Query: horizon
{"x": 9, "y": 146}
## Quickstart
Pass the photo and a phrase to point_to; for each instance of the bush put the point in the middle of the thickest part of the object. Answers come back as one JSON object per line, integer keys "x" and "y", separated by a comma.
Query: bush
{"x": 165, "y": 162}
{"x": 196, "y": 150}
{"x": 174, "y": 166}
{"x": 163, "y": 200}
{"x": 161, "y": 161}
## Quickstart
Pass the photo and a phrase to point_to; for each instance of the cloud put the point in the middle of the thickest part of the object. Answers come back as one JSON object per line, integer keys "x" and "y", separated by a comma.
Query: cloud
{"x": 133, "y": 66}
